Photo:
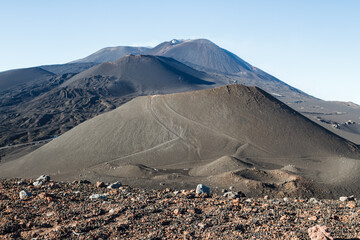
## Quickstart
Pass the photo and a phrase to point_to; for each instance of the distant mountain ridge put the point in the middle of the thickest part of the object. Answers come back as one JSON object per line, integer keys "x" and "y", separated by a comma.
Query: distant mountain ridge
{"x": 202, "y": 53}
{"x": 14, "y": 78}
{"x": 198, "y": 60}
{"x": 110, "y": 54}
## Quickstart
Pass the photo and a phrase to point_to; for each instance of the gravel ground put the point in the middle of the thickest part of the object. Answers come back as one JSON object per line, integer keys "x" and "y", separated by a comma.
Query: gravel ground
{"x": 65, "y": 210}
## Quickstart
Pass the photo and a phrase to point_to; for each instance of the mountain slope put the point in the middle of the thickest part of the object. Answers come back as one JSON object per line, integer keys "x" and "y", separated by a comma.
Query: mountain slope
{"x": 40, "y": 112}
{"x": 111, "y": 54}
{"x": 141, "y": 73}
{"x": 174, "y": 132}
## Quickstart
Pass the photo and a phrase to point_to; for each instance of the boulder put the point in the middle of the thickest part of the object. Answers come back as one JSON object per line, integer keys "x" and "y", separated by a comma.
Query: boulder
{"x": 43, "y": 178}
{"x": 100, "y": 184}
{"x": 38, "y": 183}
{"x": 231, "y": 195}
{"x": 98, "y": 196}
{"x": 24, "y": 194}
{"x": 201, "y": 188}
{"x": 114, "y": 185}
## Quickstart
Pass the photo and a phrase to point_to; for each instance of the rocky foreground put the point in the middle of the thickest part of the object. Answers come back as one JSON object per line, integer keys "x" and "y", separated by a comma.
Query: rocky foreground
{"x": 44, "y": 209}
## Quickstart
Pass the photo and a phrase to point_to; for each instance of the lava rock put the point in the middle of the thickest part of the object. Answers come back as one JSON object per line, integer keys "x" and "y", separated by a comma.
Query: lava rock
{"x": 319, "y": 233}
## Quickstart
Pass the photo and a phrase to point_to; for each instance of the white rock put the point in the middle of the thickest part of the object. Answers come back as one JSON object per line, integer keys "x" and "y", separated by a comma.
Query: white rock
{"x": 114, "y": 185}
{"x": 202, "y": 189}
{"x": 343, "y": 199}
{"x": 44, "y": 178}
{"x": 38, "y": 183}
{"x": 24, "y": 194}
{"x": 98, "y": 196}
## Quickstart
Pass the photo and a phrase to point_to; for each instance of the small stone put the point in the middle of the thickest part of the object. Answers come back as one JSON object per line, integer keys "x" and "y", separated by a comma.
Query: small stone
{"x": 98, "y": 196}
{"x": 176, "y": 192}
{"x": 114, "y": 185}
{"x": 21, "y": 182}
{"x": 162, "y": 184}
{"x": 24, "y": 194}
{"x": 231, "y": 188}
{"x": 112, "y": 211}
{"x": 49, "y": 214}
{"x": 84, "y": 181}
{"x": 38, "y": 183}
{"x": 343, "y": 199}
{"x": 241, "y": 194}
{"x": 77, "y": 193}
{"x": 266, "y": 197}
{"x": 201, "y": 188}
{"x": 284, "y": 217}
{"x": 351, "y": 204}
{"x": 231, "y": 195}
{"x": 202, "y": 225}
{"x": 319, "y": 232}
{"x": 313, "y": 200}
{"x": 312, "y": 218}
{"x": 286, "y": 199}
{"x": 177, "y": 211}
{"x": 43, "y": 178}
{"x": 351, "y": 198}
{"x": 100, "y": 184}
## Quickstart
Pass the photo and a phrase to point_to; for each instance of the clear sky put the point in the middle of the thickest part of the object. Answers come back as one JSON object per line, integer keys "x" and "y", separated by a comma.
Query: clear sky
{"x": 311, "y": 45}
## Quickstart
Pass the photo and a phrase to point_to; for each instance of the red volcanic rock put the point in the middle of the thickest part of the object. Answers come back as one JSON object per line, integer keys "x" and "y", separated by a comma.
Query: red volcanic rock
{"x": 319, "y": 233}
{"x": 67, "y": 212}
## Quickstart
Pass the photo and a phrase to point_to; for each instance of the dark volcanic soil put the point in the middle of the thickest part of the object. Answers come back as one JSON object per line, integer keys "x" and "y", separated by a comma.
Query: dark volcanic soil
{"x": 64, "y": 210}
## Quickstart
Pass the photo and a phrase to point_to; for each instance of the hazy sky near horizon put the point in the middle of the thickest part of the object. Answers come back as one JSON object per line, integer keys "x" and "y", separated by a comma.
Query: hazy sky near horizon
{"x": 311, "y": 45}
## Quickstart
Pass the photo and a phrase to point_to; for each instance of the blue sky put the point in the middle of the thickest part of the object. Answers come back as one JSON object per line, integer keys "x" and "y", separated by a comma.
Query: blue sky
{"x": 311, "y": 45}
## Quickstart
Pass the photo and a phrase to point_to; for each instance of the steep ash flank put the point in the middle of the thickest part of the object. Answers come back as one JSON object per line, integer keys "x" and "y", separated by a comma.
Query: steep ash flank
{"x": 261, "y": 136}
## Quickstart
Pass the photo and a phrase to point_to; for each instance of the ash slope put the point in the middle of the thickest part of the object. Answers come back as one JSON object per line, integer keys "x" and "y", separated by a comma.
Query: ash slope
{"x": 262, "y": 145}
